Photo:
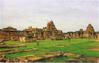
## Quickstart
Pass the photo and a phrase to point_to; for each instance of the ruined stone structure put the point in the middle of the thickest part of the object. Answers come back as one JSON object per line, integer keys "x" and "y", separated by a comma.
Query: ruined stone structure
{"x": 9, "y": 33}
{"x": 51, "y": 32}
{"x": 88, "y": 33}
{"x": 34, "y": 33}
{"x": 31, "y": 34}
{"x": 97, "y": 35}
{"x": 48, "y": 32}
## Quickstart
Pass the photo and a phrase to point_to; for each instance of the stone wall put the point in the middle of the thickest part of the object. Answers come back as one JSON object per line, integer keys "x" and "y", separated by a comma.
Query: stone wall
{"x": 97, "y": 36}
{"x": 51, "y": 32}
{"x": 88, "y": 33}
{"x": 48, "y": 32}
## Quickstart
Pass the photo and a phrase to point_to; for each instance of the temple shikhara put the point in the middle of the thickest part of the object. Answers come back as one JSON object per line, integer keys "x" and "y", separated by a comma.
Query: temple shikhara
{"x": 48, "y": 32}
{"x": 88, "y": 33}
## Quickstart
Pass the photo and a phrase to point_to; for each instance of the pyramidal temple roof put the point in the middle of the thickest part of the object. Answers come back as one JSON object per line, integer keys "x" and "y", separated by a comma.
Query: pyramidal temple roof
{"x": 90, "y": 28}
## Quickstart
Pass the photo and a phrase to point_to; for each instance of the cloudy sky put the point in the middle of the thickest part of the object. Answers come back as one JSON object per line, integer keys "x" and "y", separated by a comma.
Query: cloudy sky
{"x": 68, "y": 15}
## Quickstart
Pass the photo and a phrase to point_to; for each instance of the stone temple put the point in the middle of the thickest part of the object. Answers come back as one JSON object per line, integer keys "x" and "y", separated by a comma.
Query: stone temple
{"x": 49, "y": 32}
{"x": 88, "y": 33}
{"x": 31, "y": 34}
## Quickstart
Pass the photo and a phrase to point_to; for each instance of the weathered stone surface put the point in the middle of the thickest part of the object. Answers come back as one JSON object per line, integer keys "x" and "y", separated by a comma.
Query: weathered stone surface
{"x": 97, "y": 36}
{"x": 90, "y": 32}
{"x": 48, "y": 32}
{"x": 51, "y": 32}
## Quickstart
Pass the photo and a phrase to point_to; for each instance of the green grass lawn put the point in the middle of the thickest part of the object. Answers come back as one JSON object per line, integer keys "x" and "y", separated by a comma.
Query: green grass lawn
{"x": 77, "y": 46}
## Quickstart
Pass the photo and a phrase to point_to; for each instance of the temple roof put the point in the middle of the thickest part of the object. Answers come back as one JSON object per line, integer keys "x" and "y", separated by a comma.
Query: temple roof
{"x": 90, "y": 28}
{"x": 9, "y": 29}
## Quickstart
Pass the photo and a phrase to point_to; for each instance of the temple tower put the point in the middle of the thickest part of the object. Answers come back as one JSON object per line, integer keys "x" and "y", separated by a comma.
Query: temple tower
{"x": 90, "y": 32}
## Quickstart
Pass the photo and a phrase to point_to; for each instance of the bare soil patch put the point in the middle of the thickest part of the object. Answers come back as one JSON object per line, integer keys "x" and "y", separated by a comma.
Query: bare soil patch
{"x": 93, "y": 59}
{"x": 94, "y": 49}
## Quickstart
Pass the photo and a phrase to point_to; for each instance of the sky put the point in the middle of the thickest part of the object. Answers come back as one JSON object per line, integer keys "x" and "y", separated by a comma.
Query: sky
{"x": 68, "y": 15}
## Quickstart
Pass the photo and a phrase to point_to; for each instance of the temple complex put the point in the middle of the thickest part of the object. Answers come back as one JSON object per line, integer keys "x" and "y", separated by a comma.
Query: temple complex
{"x": 30, "y": 34}
{"x": 88, "y": 33}
{"x": 49, "y": 32}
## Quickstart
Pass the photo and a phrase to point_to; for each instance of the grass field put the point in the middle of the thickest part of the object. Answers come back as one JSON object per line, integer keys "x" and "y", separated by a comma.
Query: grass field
{"x": 77, "y": 46}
